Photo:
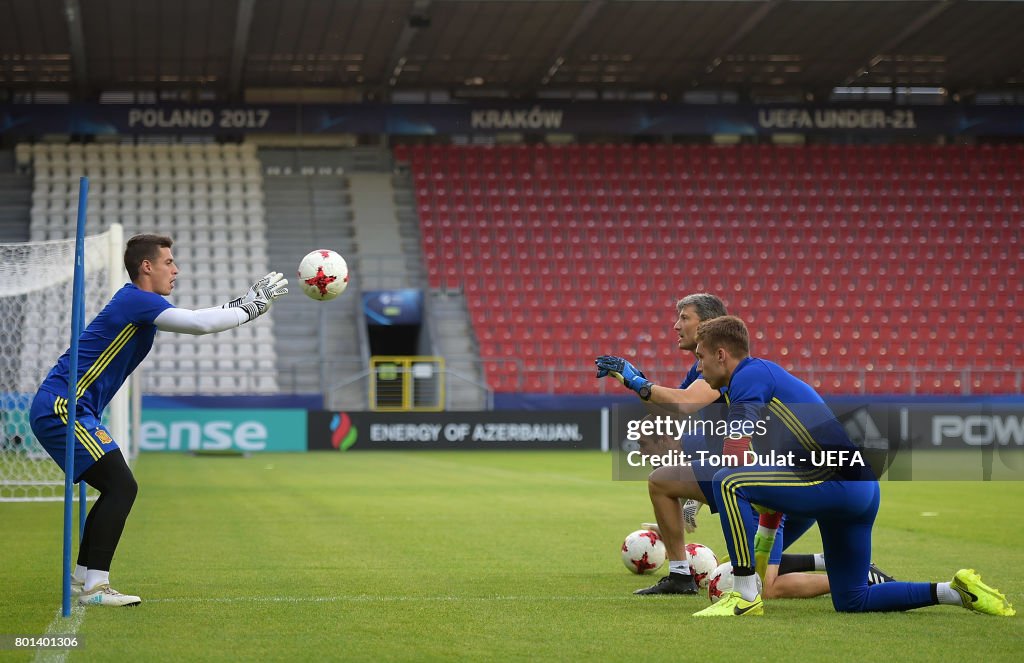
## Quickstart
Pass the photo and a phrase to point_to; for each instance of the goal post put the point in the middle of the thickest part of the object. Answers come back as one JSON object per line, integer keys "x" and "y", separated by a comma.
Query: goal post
{"x": 36, "y": 280}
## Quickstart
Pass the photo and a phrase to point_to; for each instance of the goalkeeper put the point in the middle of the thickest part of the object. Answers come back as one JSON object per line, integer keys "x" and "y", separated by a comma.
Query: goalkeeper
{"x": 109, "y": 350}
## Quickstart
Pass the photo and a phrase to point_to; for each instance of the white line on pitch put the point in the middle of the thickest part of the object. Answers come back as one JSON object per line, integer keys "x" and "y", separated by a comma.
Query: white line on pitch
{"x": 386, "y": 599}
{"x": 61, "y": 626}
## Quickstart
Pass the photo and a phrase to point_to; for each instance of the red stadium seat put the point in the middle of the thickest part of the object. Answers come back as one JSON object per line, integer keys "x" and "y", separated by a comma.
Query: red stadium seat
{"x": 916, "y": 241}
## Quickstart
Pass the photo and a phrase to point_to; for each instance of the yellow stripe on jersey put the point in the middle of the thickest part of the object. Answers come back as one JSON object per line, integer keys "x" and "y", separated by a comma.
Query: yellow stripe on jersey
{"x": 106, "y": 357}
{"x": 794, "y": 425}
{"x": 60, "y": 407}
{"x": 730, "y": 501}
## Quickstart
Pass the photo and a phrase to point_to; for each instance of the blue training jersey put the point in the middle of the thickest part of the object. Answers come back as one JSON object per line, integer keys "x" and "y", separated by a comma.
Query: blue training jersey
{"x": 793, "y": 417}
{"x": 110, "y": 348}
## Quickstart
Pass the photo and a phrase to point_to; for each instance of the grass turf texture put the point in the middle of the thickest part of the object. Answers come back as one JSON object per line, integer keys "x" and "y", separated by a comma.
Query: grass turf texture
{"x": 472, "y": 555}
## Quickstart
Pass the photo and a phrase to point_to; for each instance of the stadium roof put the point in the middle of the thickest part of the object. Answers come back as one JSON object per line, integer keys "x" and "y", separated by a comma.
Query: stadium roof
{"x": 513, "y": 47}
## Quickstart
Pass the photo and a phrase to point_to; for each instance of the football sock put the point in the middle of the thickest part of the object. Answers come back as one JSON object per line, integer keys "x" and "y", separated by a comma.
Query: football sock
{"x": 680, "y": 566}
{"x": 746, "y": 586}
{"x": 819, "y": 561}
{"x": 79, "y": 574}
{"x": 94, "y": 577}
{"x": 946, "y": 595}
{"x": 796, "y": 564}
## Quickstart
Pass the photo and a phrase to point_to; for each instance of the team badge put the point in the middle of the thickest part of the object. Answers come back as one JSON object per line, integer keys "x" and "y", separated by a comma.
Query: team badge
{"x": 102, "y": 436}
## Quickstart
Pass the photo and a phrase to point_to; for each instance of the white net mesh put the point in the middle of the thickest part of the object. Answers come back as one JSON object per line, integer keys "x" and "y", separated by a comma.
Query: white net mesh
{"x": 36, "y": 280}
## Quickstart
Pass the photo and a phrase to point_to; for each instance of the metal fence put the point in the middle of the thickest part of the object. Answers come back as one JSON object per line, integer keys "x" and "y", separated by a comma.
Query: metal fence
{"x": 350, "y": 376}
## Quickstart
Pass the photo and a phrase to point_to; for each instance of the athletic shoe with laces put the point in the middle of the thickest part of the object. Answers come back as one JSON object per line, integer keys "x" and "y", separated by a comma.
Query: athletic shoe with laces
{"x": 877, "y": 576}
{"x": 106, "y": 595}
{"x": 734, "y": 605}
{"x": 978, "y": 596}
{"x": 673, "y": 583}
{"x": 77, "y": 587}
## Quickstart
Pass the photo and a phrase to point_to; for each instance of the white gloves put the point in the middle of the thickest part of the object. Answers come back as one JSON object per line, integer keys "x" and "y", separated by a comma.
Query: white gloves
{"x": 261, "y": 295}
{"x": 690, "y": 509}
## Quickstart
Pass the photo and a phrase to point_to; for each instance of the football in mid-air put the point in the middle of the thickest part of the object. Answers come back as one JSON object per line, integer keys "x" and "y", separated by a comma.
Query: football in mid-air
{"x": 703, "y": 562}
{"x": 323, "y": 275}
{"x": 721, "y": 582}
{"x": 643, "y": 551}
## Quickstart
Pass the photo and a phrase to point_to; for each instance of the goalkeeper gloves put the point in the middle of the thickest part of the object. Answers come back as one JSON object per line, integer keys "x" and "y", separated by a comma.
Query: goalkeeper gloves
{"x": 625, "y": 372}
{"x": 270, "y": 287}
{"x": 261, "y": 295}
{"x": 690, "y": 509}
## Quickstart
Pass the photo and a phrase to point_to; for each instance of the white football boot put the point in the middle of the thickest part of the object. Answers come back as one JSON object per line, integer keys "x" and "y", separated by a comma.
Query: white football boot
{"x": 105, "y": 595}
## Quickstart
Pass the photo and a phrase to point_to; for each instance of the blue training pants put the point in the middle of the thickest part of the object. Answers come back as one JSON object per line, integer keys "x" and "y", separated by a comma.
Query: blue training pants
{"x": 845, "y": 511}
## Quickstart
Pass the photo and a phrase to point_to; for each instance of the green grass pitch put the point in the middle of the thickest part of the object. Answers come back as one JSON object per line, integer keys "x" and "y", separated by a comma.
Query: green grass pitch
{"x": 476, "y": 556}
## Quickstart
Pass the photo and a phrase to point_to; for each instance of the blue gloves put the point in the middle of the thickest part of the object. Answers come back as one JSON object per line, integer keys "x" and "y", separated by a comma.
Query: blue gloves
{"x": 624, "y": 372}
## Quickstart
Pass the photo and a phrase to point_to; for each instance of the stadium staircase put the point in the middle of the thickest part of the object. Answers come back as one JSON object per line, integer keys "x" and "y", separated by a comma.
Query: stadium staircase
{"x": 447, "y": 319}
{"x": 455, "y": 341}
{"x": 404, "y": 201}
{"x": 15, "y": 200}
{"x": 380, "y": 262}
{"x": 866, "y": 269}
{"x": 385, "y": 224}
{"x": 310, "y": 208}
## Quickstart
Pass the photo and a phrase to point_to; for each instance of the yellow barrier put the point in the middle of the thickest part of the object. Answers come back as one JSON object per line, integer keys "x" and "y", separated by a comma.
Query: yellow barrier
{"x": 406, "y": 384}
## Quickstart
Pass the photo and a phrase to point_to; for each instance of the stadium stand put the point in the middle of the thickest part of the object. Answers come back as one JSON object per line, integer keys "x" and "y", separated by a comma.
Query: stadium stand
{"x": 870, "y": 269}
{"x": 209, "y": 198}
{"x": 308, "y": 204}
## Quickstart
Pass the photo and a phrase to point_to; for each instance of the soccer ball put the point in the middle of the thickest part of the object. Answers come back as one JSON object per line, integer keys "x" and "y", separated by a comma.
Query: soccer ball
{"x": 323, "y": 275}
{"x": 722, "y": 580}
{"x": 702, "y": 562}
{"x": 643, "y": 551}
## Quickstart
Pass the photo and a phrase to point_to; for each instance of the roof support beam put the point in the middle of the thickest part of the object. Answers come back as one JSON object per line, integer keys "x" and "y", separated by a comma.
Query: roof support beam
{"x": 581, "y": 23}
{"x": 76, "y": 35}
{"x": 912, "y": 29}
{"x": 745, "y": 28}
{"x": 419, "y": 18}
{"x": 243, "y": 23}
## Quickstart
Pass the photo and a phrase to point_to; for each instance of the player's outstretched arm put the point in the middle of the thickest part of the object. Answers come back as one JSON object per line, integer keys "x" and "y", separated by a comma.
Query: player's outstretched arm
{"x": 683, "y": 401}
{"x": 674, "y": 401}
{"x": 237, "y": 312}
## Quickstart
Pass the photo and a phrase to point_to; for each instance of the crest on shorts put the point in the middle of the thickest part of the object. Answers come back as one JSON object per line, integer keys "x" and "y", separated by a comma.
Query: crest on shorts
{"x": 102, "y": 436}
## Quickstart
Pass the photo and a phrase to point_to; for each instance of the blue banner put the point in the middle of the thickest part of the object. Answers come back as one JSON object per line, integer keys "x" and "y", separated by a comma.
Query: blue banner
{"x": 496, "y": 117}
{"x": 393, "y": 307}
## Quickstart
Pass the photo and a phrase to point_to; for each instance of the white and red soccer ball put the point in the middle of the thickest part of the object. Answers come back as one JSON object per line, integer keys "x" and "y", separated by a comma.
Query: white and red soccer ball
{"x": 721, "y": 582}
{"x": 323, "y": 275}
{"x": 643, "y": 551}
{"x": 702, "y": 562}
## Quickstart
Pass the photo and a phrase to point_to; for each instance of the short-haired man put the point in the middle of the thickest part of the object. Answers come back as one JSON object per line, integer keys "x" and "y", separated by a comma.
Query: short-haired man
{"x": 109, "y": 350}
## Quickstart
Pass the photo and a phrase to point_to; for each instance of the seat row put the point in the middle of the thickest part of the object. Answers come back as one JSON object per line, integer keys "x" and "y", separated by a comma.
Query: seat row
{"x": 544, "y": 280}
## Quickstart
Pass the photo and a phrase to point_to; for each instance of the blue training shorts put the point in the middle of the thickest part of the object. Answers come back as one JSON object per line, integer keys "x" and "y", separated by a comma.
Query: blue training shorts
{"x": 704, "y": 472}
{"x": 49, "y": 423}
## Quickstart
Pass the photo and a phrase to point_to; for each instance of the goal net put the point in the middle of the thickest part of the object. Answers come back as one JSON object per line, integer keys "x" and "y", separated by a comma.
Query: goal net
{"x": 36, "y": 281}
